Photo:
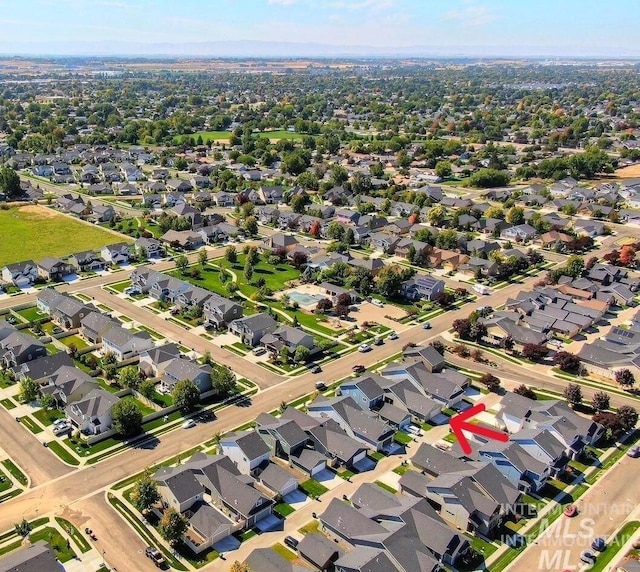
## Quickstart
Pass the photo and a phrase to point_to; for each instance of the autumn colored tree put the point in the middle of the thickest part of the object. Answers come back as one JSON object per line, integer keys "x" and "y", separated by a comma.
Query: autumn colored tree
{"x": 627, "y": 255}
{"x": 314, "y": 230}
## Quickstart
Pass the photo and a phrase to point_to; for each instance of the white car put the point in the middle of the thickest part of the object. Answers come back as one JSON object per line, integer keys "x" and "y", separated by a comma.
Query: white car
{"x": 259, "y": 351}
{"x": 364, "y": 348}
{"x": 188, "y": 424}
{"x": 393, "y": 336}
{"x": 377, "y": 302}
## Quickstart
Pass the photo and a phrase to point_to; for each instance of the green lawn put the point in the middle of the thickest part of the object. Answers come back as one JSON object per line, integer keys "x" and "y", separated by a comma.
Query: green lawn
{"x": 625, "y": 533}
{"x": 8, "y": 403}
{"x": 226, "y": 135}
{"x": 63, "y": 552}
{"x": 47, "y": 417}
{"x": 31, "y": 314}
{"x": 17, "y": 474}
{"x": 401, "y": 470}
{"x": 74, "y": 533}
{"x": 284, "y": 551}
{"x": 31, "y": 424}
{"x": 275, "y": 276}
{"x": 77, "y": 340}
{"x": 386, "y": 487}
{"x": 5, "y": 483}
{"x": 402, "y": 438}
{"x": 313, "y": 488}
{"x": 33, "y": 232}
{"x": 63, "y": 453}
{"x": 284, "y": 509}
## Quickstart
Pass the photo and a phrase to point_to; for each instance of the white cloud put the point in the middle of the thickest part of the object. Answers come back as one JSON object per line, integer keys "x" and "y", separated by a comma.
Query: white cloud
{"x": 472, "y": 14}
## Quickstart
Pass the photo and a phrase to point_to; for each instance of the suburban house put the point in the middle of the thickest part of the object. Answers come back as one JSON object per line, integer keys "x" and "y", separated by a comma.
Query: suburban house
{"x": 92, "y": 414}
{"x": 68, "y": 384}
{"x": 414, "y": 536}
{"x": 54, "y": 269}
{"x": 278, "y": 480}
{"x": 154, "y": 361}
{"x": 38, "y": 556}
{"x": 519, "y": 233}
{"x": 65, "y": 311}
{"x": 319, "y": 551}
{"x": 336, "y": 291}
{"x": 251, "y": 329}
{"x": 422, "y": 287}
{"x": 218, "y": 311}
{"x": 125, "y": 344}
{"x": 247, "y": 450}
{"x": 289, "y": 337}
{"x": 284, "y": 437}
{"x": 329, "y": 439}
{"x": 446, "y": 387}
{"x": 366, "y": 391}
{"x": 17, "y": 348}
{"x": 87, "y": 261}
{"x": 428, "y": 355}
{"x": 180, "y": 368}
{"x": 151, "y": 246}
{"x": 95, "y": 325}
{"x": 185, "y": 239}
{"x": 357, "y": 423}
{"x": 116, "y": 253}
{"x": 21, "y": 274}
{"x": 42, "y": 367}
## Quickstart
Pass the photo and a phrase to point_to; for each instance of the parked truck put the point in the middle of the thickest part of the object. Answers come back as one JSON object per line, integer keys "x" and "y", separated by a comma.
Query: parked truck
{"x": 482, "y": 289}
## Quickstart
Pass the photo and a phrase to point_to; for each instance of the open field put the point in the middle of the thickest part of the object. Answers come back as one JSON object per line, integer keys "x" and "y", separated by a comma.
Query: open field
{"x": 225, "y": 135}
{"x": 631, "y": 171}
{"x": 33, "y": 232}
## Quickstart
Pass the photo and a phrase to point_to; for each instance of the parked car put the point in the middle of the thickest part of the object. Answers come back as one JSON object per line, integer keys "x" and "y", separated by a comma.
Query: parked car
{"x": 259, "y": 351}
{"x": 155, "y": 556}
{"x": 588, "y": 557}
{"x": 393, "y": 336}
{"x": 634, "y": 452}
{"x": 188, "y": 424}
{"x": 60, "y": 422}
{"x": 321, "y": 385}
{"x": 358, "y": 368}
{"x": 599, "y": 544}
{"x": 377, "y": 302}
{"x": 571, "y": 510}
{"x": 426, "y": 326}
{"x": 378, "y": 342}
{"x": 414, "y": 430}
{"x": 364, "y": 348}
{"x": 316, "y": 369}
{"x": 62, "y": 430}
{"x": 291, "y": 542}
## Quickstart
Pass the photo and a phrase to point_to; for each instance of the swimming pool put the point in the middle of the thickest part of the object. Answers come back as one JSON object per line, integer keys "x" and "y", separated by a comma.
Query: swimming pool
{"x": 305, "y": 299}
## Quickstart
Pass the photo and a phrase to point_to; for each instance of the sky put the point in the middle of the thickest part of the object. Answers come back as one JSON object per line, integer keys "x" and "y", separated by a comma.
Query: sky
{"x": 472, "y": 27}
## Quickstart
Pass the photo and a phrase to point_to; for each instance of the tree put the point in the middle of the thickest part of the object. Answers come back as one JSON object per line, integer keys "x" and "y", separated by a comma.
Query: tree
{"x": 129, "y": 377}
{"x": 172, "y": 526}
{"x": 627, "y": 255}
{"x": 299, "y": 259}
{"x": 390, "y": 280}
{"x": 477, "y": 331}
{"x": 628, "y": 417}
{"x": 145, "y": 493}
{"x": 248, "y": 271}
{"x": 253, "y": 257}
{"x": 240, "y": 567}
{"x": 250, "y": 226}
{"x": 186, "y": 395}
{"x": 574, "y": 266}
{"x": 231, "y": 255}
{"x": 298, "y": 203}
{"x": 436, "y": 215}
{"x": 10, "y": 182}
{"x": 485, "y": 178}
{"x": 611, "y": 423}
{"x": 203, "y": 257}
{"x": 29, "y": 390}
{"x": 573, "y": 394}
{"x": 314, "y": 229}
{"x": 147, "y": 388}
{"x": 490, "y": 381}
{"x": 443, "y": 299}
{"x": 600, "y": 401}
{"x": 126, "y": 417}
{"x": 625, "y": 378}
{"x": 567, "y": 361}
{"x": 22, "y": 528}
{"x": 525, "y": 391}
{"x": 301, "y": 355}
{"x": 323, "y": 305}
{"x": 462, "y": 327}
{"x": 515, "y": 215}
{"x": 47, "y": 401}
{"x": 181, "y": 263}
{"x": 443, "y": 169}
{"x": 535, "y": 352}
{"x": 223, "y": 380}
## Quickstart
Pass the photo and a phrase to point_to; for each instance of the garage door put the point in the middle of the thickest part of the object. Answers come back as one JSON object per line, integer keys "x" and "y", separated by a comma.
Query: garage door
{"x": 359, "y": 457}
{"x": 318, "y": 468}
{"x": 289, "y": 488}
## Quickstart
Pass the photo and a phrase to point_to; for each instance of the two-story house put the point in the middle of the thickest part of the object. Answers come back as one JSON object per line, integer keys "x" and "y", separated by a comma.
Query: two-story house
{"x": 247, "y": 450}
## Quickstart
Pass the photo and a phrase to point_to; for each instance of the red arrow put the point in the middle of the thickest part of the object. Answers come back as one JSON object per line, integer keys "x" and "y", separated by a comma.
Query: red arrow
{"x": 459, "y": 422}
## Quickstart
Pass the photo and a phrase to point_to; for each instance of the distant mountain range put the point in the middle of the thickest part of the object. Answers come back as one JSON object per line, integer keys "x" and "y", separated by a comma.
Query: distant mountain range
{"x": 258, "y": 49}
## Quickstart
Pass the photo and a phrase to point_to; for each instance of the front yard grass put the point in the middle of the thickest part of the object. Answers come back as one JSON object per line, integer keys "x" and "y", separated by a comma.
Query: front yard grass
{"x": 402, "y": 438}
{"x": 62, "y": 452}
{"x": 284, "y": 551}
{"x": 310, "y": 527}
{"x": 313, "y": 488}
{"x": 16, "y": 473}
{"x": 284, "y": 509}
{"x": 63, "y": 552}
{"x": 31, "y": 424}
{"x": 74, "y": 533}
{"x": 8, "y": 403}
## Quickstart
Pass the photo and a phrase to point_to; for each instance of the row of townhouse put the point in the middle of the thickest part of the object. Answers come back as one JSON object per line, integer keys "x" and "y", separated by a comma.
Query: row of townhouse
{"x": 26, "y": 273}
{"x": 218, "y": 311}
